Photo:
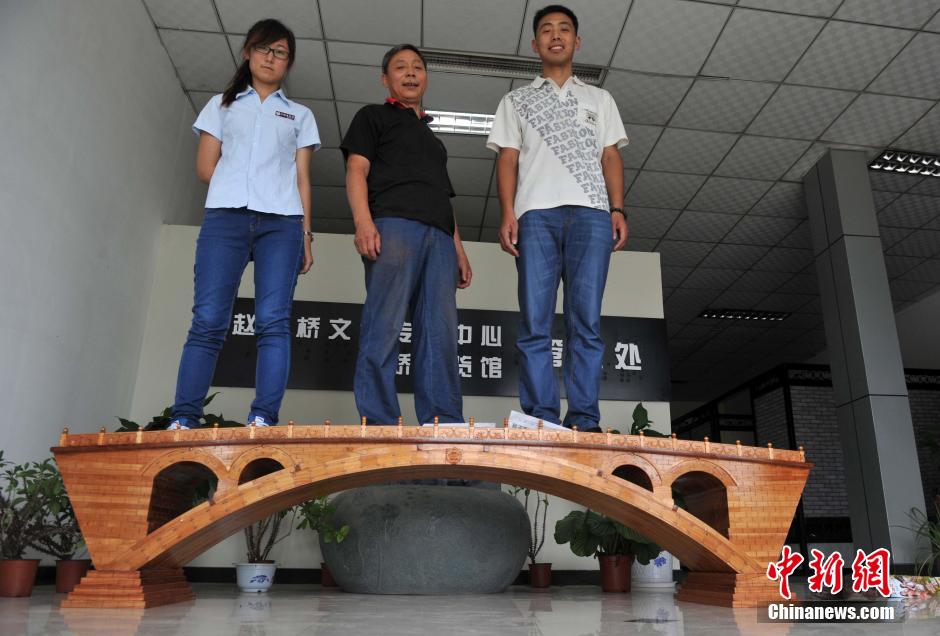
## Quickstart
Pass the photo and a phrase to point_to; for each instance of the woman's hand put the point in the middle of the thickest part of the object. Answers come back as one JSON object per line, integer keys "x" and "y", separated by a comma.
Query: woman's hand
{"x": 308, "y": 255}
{"x": 464, "y": 271}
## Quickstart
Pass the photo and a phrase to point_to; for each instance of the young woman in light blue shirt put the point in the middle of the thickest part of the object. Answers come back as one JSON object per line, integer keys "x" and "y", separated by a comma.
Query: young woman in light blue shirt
{"x": 254, "y": 152}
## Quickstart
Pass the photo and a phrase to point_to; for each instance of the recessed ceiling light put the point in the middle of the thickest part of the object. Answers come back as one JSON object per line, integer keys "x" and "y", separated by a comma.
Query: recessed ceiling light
{"x": 753, "y": 315}
{"x": 907, "y": 162}
{"x": 501, "y": 66}
{"x": 446, "y": 121}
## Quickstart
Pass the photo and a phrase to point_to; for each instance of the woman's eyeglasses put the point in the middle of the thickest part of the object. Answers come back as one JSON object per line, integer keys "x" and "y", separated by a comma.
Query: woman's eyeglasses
{"x": 264, "y": 49}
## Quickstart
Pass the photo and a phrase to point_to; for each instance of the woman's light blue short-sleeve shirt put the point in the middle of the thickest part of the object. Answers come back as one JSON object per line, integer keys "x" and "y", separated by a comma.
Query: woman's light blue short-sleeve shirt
{"x": 257, "y": 168}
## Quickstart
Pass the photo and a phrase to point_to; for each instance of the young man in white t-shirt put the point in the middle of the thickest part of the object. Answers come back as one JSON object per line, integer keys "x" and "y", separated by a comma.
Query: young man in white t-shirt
{"x": 560, "y": 179}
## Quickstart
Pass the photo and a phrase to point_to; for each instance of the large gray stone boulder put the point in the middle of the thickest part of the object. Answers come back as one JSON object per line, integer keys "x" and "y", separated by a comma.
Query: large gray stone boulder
{"x": 410, "y": 539}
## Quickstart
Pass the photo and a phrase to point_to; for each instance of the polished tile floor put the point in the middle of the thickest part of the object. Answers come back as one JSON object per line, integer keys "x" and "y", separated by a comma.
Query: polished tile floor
{"x": 309, "y": 609}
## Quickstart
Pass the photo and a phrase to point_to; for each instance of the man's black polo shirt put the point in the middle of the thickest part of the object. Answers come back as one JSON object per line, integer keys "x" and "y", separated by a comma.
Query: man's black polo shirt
{"x": 408, "y": 165}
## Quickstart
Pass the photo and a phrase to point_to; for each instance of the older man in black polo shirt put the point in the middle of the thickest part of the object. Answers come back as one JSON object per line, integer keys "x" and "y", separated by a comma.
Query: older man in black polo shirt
{"x": 399, "y": 192}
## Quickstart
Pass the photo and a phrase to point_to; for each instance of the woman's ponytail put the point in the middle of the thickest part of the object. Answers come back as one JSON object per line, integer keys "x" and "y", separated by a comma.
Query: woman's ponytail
{"x": 239, "y": 82}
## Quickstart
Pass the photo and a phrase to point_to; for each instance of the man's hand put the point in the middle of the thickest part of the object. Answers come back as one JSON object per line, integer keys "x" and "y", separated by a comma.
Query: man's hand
{"x": 464, "y": 271}
{"x": 509, "y": 235}
{"x": 368, "y": 240}
{"x": 619, "y": 224}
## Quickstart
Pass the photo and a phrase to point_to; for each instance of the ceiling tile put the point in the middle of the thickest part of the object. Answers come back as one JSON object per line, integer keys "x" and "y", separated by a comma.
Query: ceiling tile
{"x": 761, "y": 157}
{"x": 928, "y": 271}
{"x": 650, "y": 222}
{"x": 358, "y": 83}
{"x": 909, "y": 289}
{"x": 800, "y": 112}
{"x": 669, "y": 36}
{"x": 892, "y": 182}
{"x": 646, "y": 99}
{"x": 203, "y": 60}
{"x": 761, "y": 46}
{"x": 784, "y": 259}
{"x": 803, "y": 321}
{"x": 663, "y": 189}
{"x": 357, "y": 53}
{"x": 915, "y": 71}
{"x": 799, "y": 237}
{"x": 487, "y": 26}
{"x": 760, "y": 281}
{"x": 783, "y": 199}
{"x": 473, "y": 146}
{"x": 707, "y": 278}
{"x": 600, "y": 23}
{"x": 760, "y": 230}
{"x": 899, "y": 265}
{"x": 721, "y": 104}
{"x": 301, "y": 17}
{"x": 309, "y": 77}
{"x": 848, "y": 56}
{"x": 701, "y": 226}
{"x": 470, "y": 176}
{"x": 738, "y": 300}
{"x": 642, "y": 140}
{"x": 196, "y": 15}
{"x": 821, "y": 8}
{"x": 784, "y": 302}
{"x": 465, "y": 93}
{"x": 640, "y": 244}
{"x": 692, "y": 151}
{"x": 333, "y": 226}
{"x": 875, "y": 120}
{"x": 734, "y": 256}
{"x": 327, "y": 168}
{"x": 891, "y": 236}
{"x": 489, "y": 235}
{"x": 933, "y": 25}
{"x": 683, "y": 253}
{"x": 930, "y": 187}
{"x": 324, "y": 112}
{"x": 469, "y": 211}
{"x": 911, "y": 14}
{"x": 910, "y": 210}
{"x": 882, "y": 199}
{"x": 673, "y": 276}
{"x": 730, "y": 196}
{"x": 922, "y": 243}
{"x": 924, "y": 135}
{"x": 493, "y": 214}
{"x": 387, "y": 22}
{"x": 330, "y": 202}
{"x": 200, "y": 99}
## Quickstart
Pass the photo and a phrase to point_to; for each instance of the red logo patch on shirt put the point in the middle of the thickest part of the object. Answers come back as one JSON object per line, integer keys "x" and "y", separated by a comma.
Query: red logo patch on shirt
{"x": 284, "y": 115}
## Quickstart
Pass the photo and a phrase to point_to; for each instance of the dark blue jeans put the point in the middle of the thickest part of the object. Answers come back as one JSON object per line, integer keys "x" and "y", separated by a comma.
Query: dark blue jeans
{"x": 570, "y": 244}
{"x": 417, "y": 269}
{"x": 229, "y": 238}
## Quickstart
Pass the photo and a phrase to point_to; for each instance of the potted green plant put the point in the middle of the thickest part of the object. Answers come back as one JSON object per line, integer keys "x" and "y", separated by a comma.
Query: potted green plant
{"x": 928, "y": 530}
{"x": 23, "y": 506}
{"x": 540, "y": 574}
{"x": 613, "y": 544}
{"x": 257, "y": 575}
{"x": 317, "y": 515}
{"x": 60, "y": 536}
{"x": 161, "y": 421}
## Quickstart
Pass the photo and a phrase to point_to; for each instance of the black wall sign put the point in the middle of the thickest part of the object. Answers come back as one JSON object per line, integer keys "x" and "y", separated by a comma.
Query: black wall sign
{"x": 326, "y": 336}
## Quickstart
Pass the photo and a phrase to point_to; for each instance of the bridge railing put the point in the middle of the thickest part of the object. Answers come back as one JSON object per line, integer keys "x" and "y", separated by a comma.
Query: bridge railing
{"x": 329, "y": 432}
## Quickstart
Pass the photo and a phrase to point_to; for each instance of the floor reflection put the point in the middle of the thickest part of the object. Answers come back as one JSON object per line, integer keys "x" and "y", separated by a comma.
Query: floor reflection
{"x": 309, "y": 609}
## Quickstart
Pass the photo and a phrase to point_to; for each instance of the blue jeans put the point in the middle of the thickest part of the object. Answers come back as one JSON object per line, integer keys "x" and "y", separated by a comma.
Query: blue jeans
{"x": 570, "y": 244}
{"x": 416, "y": 269}
{"x": 229, "y": 238}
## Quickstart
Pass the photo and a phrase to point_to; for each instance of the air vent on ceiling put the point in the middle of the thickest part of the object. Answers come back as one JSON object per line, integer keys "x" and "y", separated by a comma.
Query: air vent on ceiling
{"x": 501, "y": 66}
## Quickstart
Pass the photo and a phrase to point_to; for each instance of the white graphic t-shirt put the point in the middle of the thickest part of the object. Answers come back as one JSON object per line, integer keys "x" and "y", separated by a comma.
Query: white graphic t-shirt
{"x": 561, "y": 134}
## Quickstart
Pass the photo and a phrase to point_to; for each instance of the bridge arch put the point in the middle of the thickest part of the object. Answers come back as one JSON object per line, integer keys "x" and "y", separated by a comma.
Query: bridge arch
{"x": 253, "y": 456}
{"x": 209, "y": 461}
{"x": 702, "y": 466}
{"x": 644, "y": 472}
{"x": 691, "y": 540}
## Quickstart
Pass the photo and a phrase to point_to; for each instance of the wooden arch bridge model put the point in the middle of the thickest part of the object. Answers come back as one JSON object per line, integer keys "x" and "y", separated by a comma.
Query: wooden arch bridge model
{"x": 132, "y": 493}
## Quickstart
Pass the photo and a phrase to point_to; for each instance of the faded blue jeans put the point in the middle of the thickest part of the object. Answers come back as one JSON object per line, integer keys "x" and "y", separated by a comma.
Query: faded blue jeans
{"x": 416, "y": 269}
{"x": 570, "y": 244}
{"x": 229, "y": 238}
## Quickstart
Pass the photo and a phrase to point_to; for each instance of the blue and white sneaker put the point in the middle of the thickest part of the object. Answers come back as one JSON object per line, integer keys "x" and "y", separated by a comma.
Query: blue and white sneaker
{"x": 257, "y": 420}
{"x": 179, "y": 425}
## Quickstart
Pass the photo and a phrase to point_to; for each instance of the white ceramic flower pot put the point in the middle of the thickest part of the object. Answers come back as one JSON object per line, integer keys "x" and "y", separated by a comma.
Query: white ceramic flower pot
{"x": 255, "y": 577}
{"x": 656, "y": 575}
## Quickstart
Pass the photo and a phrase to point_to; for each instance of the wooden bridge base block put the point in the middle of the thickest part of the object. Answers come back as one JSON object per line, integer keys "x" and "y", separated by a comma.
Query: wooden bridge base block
{"x": 134, "y": 589}
{"x": 728, "y": 590}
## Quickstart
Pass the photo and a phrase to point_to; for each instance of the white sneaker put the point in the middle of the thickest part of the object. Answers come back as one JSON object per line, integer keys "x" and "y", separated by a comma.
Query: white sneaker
{"x": 177, "y": 425}
{"x": 258, "y": 421}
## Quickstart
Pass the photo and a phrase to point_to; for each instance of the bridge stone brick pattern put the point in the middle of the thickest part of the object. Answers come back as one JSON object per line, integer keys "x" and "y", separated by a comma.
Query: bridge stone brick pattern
{"x": 132, "y": 493}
